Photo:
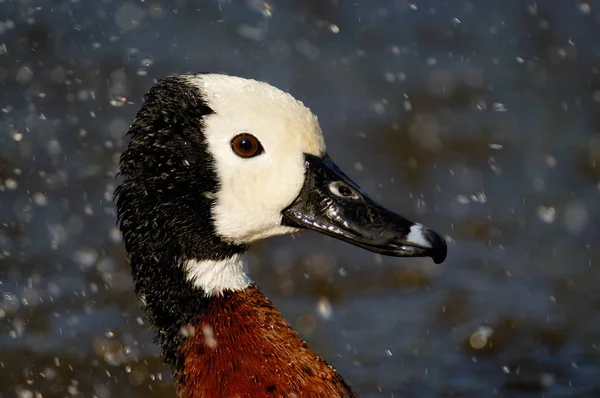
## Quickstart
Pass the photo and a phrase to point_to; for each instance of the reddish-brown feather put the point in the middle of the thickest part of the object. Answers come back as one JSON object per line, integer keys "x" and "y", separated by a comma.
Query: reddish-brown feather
{"x": 242, "y": 347}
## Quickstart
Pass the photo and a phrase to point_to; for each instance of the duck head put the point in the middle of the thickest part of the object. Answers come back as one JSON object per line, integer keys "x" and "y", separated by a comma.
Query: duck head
{"x": 217, "y": 162}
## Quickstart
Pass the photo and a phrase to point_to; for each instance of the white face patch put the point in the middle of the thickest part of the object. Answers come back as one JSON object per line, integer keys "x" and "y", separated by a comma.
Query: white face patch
{"x": 214, "y": 277}
{"x": 254, "y": 191}
{"x": 417, "y": 236}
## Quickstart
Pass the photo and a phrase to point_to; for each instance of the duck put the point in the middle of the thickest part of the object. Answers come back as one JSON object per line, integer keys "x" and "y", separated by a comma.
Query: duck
{"x": 213, "y": 164}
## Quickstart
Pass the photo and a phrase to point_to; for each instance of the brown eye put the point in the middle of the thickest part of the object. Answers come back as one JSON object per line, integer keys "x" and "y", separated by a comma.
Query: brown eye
{"x": 246, "y": 145}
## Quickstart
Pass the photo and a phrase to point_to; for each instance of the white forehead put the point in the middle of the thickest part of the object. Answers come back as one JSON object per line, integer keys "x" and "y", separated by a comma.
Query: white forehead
{"x": 247, "y": 103}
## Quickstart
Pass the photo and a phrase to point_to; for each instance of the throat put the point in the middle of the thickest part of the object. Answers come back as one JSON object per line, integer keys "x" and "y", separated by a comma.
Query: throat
{"x": 214, "y": 277}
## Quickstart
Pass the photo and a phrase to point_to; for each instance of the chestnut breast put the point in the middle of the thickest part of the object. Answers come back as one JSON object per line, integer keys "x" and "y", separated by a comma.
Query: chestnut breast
{"x": 241, "y": 347}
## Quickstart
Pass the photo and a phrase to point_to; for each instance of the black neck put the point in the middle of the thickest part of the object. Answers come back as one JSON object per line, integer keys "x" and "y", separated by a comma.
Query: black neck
{"x": 171, "y": 302}
{"x": 164, "y": 207}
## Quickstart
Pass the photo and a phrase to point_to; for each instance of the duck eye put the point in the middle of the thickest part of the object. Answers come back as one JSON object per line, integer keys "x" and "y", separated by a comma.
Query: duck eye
{"x": 246, "y": 145}
{"x": 342, "y": 190}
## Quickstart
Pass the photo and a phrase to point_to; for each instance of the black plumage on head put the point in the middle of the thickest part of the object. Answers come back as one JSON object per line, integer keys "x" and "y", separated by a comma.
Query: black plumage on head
{"x": 164, "y": 207}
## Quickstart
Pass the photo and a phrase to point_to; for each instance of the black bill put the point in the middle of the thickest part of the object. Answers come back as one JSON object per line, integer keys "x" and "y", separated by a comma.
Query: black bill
{"x": 331, "y": 203}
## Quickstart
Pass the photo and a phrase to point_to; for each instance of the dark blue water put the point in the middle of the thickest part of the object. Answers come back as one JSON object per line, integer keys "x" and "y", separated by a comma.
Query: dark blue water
{"x": 477, "y": 118}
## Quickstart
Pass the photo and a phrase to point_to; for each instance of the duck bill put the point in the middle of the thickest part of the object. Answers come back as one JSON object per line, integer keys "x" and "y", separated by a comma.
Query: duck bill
{"x": 331, "y": 203}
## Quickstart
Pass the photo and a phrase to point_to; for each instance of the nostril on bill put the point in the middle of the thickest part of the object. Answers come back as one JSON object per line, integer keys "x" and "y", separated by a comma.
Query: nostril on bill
{"x": 338, "y": 188}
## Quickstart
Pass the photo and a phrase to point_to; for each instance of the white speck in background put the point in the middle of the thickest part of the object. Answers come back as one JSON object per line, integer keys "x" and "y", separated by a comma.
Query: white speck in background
{"x": 479, "y": 197}
{"x": 499, "y": 107}
{"x": 546, "y": 213}
{"x": 585, "y": 8}
{"x": 324, "y": 309}
{"x": 379, "y": 108}
{"x": 10, "y": 184}
{"x": 479, "y": 338}
{"x": 462, "y": 199}
{"x": 40, "y": 199}
{"x": 265, "y": 8}
{"x": 86, "y": 257}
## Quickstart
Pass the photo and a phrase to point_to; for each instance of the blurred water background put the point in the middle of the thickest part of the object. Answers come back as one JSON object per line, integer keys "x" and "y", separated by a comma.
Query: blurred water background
{"x": 480, "y": 119}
